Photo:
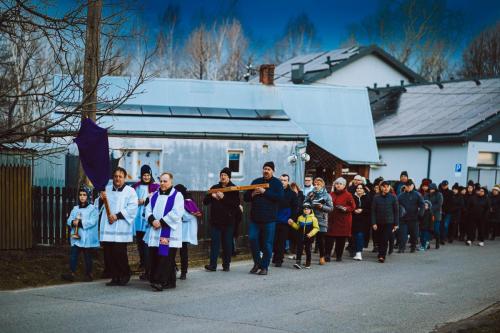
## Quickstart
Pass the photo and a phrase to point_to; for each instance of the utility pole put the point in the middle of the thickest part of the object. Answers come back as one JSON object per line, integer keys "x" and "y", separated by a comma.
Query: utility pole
{"x": 91, "y": 61}
{"x": 91, "y": 68}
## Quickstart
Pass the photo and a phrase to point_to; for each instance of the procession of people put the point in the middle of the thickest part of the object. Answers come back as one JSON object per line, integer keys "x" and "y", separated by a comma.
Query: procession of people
{"x": 283, "y": 219}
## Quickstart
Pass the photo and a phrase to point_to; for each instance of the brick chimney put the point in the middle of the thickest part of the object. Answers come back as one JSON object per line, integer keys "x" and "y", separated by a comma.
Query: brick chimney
{"x": 266, "y": 74}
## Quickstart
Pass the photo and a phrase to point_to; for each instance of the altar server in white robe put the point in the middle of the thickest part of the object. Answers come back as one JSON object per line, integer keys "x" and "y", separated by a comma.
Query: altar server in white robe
{"x": 117, "y": 231}
{"x": 164, "y": 233}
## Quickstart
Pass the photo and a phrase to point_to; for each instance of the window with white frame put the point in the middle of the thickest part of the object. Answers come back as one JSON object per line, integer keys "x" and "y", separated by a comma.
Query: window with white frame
{"x": 235, "y": 162}
{"x": 133, "y": 160}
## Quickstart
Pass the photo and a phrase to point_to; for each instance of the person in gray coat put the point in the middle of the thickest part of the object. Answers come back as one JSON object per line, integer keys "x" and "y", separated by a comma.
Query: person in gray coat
{"x": 321, "y": 201}
{"x": 436, "y": 199}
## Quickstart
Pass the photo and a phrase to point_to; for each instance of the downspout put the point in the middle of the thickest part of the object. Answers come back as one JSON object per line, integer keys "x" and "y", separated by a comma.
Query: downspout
{"x": 429, "y": 158}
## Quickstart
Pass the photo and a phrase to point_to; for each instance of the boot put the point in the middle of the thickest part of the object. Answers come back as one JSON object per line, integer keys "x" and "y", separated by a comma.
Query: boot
{"x": 322, "y": 260}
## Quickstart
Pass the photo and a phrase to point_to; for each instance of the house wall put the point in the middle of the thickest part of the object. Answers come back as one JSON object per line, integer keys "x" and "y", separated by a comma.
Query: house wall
{"x": 196, "y": 162}
{"x": 365, "y": 72}
{"x": 414, "y": 158}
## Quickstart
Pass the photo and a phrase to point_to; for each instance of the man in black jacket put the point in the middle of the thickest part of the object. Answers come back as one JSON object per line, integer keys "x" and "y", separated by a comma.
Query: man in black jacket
{"x": 447, "y": 198}
{"x": 263, "y": 215}
{"x": 287, "y": 211}
{"x": 413, "y": 205}
{"x": 224, "y": 210}
{"x": 385, "y": 217}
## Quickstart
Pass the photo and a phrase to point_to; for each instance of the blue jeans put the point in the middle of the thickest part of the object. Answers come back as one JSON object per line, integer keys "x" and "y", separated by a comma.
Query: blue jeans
{"x": 359, "y": 238}
{"x": 87, "y": 256}
{"x": 256, "y": 231}
{"x": 425, "y": 236}
{"x": 444, "y": 226}
{"x": 437, "y": 224}
{"x": 220, "y": 235}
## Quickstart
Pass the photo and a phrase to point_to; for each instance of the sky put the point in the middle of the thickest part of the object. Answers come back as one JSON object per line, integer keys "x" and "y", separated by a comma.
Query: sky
{"x": 265, "y": 20}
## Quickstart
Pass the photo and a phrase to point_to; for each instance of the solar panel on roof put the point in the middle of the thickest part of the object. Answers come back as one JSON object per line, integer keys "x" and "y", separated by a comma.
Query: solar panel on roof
{"x": 214, "y": 112}
{"x": 185, "y": 111}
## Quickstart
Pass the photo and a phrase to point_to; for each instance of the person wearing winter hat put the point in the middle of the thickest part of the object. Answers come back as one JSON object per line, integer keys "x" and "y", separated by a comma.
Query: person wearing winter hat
{"x": 263, "y": 217}
{"x": 307, "y": 227}
{"x": 436, "y": 199}
{"x": 403, "y": 179}
{"x": 455, "y": 208}
{"x": 447, "y": 215}
{"x": 357, "y": 180}
{"x": 144, "y": 189}
{"x": 495, "y": 212}
{"x": 479, "y": 209}
{"x": 425, "y": 225}
{"x": 413, "y": 204}
{"x": 224, "y": 211}
{"x": 384, "y": 217}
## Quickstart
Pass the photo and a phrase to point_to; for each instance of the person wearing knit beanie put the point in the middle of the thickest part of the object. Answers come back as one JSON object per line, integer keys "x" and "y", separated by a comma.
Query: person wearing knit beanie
{"x": 227, "y": 171}
{"x": 269, "y": 164}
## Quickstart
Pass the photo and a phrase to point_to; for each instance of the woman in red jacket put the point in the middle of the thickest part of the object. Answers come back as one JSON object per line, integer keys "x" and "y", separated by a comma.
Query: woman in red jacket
{"x": 340, "y": 219}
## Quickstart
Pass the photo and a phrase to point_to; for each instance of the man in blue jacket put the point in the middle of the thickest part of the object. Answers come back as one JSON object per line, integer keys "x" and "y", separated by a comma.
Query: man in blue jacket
{"x": 413, "y": 204}
{"x": 263, "y": 216}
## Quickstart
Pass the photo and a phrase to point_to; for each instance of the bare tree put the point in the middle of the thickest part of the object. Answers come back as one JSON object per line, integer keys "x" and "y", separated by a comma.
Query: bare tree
{"x": 167, "y": 62}
{"x": 422, "y": 34}
{"x": 481, "y": 58}
{"x": 298, "y": 38}
{"x": 41, "y": 67}
{"x": 217, "y": 53}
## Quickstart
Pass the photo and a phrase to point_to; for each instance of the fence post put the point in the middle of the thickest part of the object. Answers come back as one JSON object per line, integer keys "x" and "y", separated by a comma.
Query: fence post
{"x": 57, "y": 215}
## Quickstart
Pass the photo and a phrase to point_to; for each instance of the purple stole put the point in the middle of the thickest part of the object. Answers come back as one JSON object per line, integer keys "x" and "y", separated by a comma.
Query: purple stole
{"x": 165, "y": 231}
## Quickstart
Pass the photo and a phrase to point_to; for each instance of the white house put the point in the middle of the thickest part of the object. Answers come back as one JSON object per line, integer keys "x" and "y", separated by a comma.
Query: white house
{"x": 448, "y": 130}
{"x": 357, "y": 66}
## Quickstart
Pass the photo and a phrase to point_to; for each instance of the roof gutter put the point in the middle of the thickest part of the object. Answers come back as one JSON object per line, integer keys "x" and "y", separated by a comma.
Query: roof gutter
{"x": 190, "y": 135}
{"x": 447, "y": 138}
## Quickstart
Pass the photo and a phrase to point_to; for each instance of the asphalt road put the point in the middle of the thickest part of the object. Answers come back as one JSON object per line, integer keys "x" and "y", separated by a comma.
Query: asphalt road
{"x": 409, "y": 293}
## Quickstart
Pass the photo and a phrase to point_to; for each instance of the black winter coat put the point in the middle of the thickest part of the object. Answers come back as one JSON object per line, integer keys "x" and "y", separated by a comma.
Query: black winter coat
{"x": 225, "y": 211}
{"x": 447, "y": 197}
{"x": 385, "y": 209}
{"x": 495, "y": 208}
{"x": 456, "y": 204}
{"x": 361, "y": 222}
{"x": 479, "y": 207}
{"x": 265, "y": 206}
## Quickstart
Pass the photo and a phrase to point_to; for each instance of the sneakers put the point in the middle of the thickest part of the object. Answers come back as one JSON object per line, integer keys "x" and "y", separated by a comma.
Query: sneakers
{"x": 307, "y": 266}
{"x": 480, "y": 244}
{"x": 292, "y": 257}
{"x": 381, "y": 260}
{"x": 421, "y": 248}
{"x": 358, "y": 256}
{"x": 262, "y": 271}
{"x": 469, "y": 243}
{"x": 297, "y": 265}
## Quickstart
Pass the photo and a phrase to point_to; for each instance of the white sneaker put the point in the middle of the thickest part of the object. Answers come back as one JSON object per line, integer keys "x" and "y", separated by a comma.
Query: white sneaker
{"x": 480, "y": 244}
{"x": 292, "y": 257}
{"x": 358, "y": 256}
{"x": 297, "y": 266}
{"x": 469, "y": 243}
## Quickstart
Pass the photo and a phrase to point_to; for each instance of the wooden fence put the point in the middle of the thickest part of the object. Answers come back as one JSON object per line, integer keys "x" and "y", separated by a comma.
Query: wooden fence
{"x": 15, "y": 207}
{"x": 52, "y": 206}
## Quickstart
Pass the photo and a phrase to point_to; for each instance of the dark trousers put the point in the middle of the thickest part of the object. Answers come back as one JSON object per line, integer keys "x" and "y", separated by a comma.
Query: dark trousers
{"x": 116, "y": 260}
{"x": 87, "y": 257}
{"x": 385, "y": 233}
{"x": 462, "y": 227}
{"x": 410, "y": 227}
{"x": 141, "y": 248}
{"x": 453, "y": 226}
{"x": 476, "y": 224}
{"x": 162, "y": 267}
{"x": 320, "y": 241}
{"x": 224, "y": 235}
{"x": 339, "y": 246}
{"x": 280, "y": 237}
{"x": 494, "y": 229}
{"x": 184, "y": 257}
{"x": 304, "y": 243}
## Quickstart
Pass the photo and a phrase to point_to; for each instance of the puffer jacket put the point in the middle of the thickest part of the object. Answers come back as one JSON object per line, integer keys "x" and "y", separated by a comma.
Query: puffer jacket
{"x": 323, "y": 197}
